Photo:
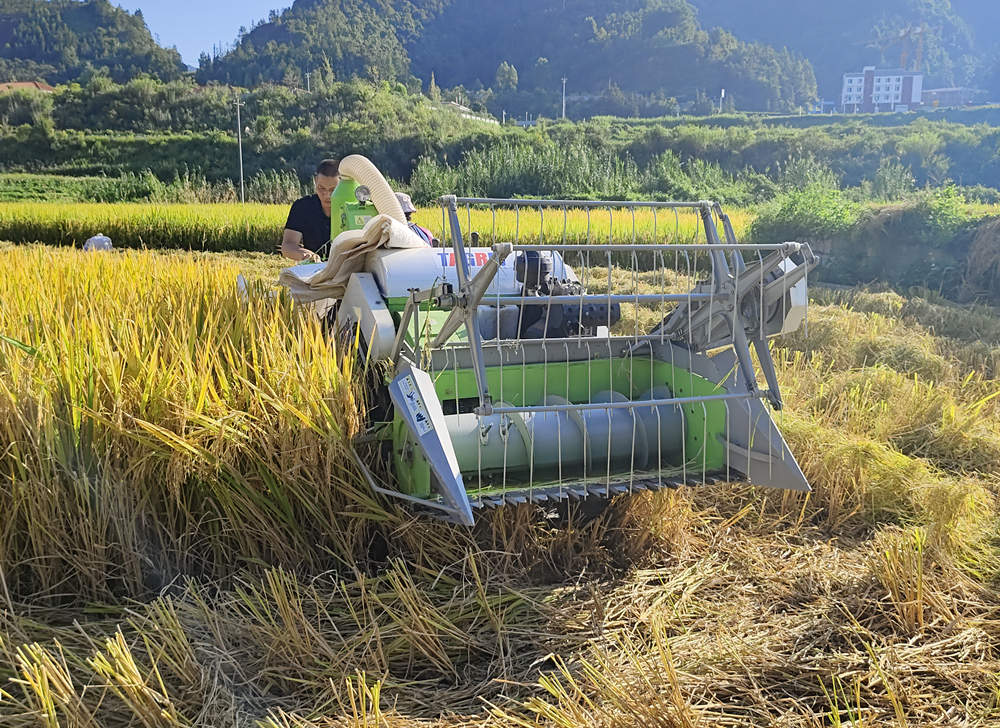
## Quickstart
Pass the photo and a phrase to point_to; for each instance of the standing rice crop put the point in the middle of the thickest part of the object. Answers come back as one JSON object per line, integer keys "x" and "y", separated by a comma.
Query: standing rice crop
{"x": 152, "y": 421}
{"x": 146, "y": 225}
{"x": 579, "y": 226}
{"x": 255, "y": 227}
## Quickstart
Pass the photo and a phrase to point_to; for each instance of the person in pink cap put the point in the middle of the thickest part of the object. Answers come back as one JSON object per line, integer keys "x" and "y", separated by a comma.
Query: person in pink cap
{"x": 408, "y": 209}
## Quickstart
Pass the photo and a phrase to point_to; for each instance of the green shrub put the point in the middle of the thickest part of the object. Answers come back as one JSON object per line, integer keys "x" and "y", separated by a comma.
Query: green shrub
{"x": 892, "y": 181}
{"x": 813, "y": 213}
{"x": 430, "y": 180}
{"x": 935, "y": 217}
{"x": 808, "y": 171}
{"x": 981, "y": 194}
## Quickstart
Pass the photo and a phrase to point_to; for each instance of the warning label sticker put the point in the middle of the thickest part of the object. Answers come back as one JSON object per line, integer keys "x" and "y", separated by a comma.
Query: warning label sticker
{"x": 415, "y": 405}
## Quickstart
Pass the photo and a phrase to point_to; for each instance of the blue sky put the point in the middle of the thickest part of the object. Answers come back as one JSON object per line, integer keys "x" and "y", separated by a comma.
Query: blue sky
{"x": 195, "y": 25}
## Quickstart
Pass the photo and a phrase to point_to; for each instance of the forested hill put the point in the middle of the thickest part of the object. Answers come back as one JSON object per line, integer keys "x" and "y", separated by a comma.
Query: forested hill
{"x": 847, "y": 35}
{"x": 620, "y": 57}
{"x": 617, "y": 56}
{"x": 61, "y": 40}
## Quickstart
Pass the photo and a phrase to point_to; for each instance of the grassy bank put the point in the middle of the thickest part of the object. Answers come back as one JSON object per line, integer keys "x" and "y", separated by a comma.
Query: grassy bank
{"x": 742, "y": 158}
{"x": 183, "y": 541}
{"x": 934, "y": 239}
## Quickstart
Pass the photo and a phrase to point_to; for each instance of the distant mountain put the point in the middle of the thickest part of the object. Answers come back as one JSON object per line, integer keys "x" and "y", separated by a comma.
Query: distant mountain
{"x": 59, "y": 40}
{"x": 847, "y": 35}
{"x": 605, "y": 49}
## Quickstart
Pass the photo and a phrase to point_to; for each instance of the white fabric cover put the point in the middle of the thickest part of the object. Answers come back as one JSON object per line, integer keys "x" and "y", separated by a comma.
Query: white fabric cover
{"x": 348, "y": 254}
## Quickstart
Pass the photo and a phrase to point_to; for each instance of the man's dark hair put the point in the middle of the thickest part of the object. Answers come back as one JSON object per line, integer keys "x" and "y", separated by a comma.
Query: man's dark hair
{"x": 328, "y": 168}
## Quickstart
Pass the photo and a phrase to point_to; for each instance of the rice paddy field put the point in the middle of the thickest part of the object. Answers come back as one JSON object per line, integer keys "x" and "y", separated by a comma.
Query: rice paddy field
{"x": 185, "y": 541}
{"x": 257, "y": 227}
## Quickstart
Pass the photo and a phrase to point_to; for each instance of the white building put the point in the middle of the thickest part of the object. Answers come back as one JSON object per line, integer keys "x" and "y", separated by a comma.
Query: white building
{"x": 873, "y": 90}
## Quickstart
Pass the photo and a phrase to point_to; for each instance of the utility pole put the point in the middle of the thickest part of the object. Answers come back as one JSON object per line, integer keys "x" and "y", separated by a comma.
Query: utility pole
{"x": 239, "y": 139}
{"x": 308, "y": 87}
{"x": 564, "y": 97}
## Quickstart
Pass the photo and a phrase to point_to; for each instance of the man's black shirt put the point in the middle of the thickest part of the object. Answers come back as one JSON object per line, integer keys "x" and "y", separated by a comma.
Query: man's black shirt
{"x": 308, "y": 218}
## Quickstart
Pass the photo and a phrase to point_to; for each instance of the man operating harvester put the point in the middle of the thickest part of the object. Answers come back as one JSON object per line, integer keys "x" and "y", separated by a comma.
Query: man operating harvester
{"x": 307, "y": 231}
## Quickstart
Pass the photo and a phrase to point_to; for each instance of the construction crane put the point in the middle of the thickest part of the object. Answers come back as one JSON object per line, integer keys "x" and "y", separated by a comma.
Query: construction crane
{"x": 910, "y": 40}
{"x": 913, "y": 44}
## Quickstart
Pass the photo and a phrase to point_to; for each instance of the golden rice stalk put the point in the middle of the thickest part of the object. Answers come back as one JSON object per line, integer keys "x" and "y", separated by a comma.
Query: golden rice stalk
{"x": 144, "y": 694}
{"x": 358, "y": 703}
{"x": 631, "y": 682}
{"x": 901, "y": 564}
{"x": 50, "y": 696}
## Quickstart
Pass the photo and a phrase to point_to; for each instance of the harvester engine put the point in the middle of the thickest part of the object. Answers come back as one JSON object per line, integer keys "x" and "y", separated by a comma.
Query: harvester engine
{"x": 539, "y": 369}
{"x": 534, "y": 271}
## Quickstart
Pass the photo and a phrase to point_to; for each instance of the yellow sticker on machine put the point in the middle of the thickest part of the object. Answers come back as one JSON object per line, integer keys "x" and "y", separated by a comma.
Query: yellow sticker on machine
{"x": 415, "y": 405}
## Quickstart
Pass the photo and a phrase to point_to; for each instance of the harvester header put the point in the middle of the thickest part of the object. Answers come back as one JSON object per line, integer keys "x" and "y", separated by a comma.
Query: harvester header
{"x": 551, "y": 365}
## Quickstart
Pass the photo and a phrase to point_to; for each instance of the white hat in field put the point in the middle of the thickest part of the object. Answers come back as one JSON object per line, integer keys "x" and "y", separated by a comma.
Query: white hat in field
{"x": 405, "y": 202}
{"x": 98, "y": 242}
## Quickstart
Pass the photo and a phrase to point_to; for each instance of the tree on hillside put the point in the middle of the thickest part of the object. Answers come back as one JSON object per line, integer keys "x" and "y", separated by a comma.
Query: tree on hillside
{"x": 506, "y": 77}
{"x": 433, "y": 90}
{"x": 358, "y": 38}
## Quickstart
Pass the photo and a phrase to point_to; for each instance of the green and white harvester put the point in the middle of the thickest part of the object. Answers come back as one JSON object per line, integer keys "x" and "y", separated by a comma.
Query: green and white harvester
{"x": 537, "y": 369}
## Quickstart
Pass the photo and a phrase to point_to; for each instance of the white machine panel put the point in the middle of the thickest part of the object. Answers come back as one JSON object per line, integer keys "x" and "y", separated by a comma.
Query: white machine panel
{"x": 363, "y": 305}
{"x": 398, "y": 271}
{"x": 798, "y": 302}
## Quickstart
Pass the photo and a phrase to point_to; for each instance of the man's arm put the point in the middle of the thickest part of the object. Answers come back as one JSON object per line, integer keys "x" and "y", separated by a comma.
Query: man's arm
{"x": 291, "y": 247}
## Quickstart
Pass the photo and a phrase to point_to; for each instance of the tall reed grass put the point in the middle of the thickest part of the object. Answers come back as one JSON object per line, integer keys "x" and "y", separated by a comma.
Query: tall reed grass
{"x": 575, "y": 170}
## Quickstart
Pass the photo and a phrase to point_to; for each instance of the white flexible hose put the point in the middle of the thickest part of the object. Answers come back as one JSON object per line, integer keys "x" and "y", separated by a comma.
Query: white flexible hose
{"x": 362, "y": 171}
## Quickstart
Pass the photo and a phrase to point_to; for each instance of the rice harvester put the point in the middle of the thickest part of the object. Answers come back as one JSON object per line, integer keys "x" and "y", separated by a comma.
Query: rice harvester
{"x": 592, "y": 349}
